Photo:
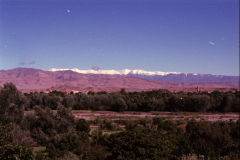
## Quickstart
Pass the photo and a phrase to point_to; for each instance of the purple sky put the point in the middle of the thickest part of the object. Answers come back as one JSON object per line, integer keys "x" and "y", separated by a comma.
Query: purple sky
{"x": 197, "y": 36}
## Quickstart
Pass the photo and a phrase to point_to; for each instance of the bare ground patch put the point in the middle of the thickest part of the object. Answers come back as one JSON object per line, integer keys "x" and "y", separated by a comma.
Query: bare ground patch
{"x": 213, "y": 117}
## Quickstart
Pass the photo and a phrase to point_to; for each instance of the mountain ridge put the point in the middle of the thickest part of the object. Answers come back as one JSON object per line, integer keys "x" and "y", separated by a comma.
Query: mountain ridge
{"x": 31, "y": 79}
{"x": 176, "y": 77}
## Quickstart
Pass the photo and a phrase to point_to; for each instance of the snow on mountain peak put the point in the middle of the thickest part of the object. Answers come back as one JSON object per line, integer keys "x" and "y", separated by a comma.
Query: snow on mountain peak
{"x": 119, "y": 72}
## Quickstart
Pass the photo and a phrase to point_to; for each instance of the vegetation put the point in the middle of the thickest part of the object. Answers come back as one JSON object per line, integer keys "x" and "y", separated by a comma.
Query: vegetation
{"x": 156, "y": 100}
{"x": 45, "y": 134}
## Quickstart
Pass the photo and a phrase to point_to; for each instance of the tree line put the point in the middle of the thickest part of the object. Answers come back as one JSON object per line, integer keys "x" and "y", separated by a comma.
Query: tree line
{"x": 155, "y": 100}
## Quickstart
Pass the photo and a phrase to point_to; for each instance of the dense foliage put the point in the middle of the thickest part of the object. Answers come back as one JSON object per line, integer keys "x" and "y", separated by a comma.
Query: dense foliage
{"x": 156, "y": 100}
{"x": 46, "y": 134}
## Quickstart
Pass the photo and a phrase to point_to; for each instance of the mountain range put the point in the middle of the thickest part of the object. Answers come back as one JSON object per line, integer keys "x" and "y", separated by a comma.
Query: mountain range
{"x": 30, "y": 79}
{"x": 177, "y": 77}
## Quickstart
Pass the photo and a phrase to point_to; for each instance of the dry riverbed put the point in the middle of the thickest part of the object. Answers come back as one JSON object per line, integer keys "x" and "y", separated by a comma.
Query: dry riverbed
{"x": 130, "y": 115}
{"x": 91, "y": 115}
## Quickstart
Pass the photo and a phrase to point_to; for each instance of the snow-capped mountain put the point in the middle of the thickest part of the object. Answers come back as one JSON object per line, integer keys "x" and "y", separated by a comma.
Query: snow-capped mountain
{"x": 176, "y": 77}
{"x": 30, "y": 79}
{"x": 120, "y": 72}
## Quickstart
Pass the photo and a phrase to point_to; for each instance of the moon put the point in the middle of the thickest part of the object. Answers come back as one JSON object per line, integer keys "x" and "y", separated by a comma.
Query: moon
{"x": 211, "y": 43}
{"x": 68, "y": 11}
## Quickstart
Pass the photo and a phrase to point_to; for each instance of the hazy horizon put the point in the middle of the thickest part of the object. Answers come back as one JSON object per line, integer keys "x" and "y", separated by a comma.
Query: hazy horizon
{"x": 188, "y": 36}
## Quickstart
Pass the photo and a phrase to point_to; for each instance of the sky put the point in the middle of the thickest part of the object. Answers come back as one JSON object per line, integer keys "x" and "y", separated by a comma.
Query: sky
{"x": 190, "y": 36}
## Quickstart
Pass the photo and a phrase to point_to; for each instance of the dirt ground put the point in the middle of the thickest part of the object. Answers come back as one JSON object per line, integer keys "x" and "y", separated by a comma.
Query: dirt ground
{"x": 91, "y": 115}
{"x": 130, "y": 115}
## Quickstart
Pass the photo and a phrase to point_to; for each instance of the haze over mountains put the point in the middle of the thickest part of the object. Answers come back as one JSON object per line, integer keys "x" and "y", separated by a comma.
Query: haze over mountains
{"x": 29, "y": 79}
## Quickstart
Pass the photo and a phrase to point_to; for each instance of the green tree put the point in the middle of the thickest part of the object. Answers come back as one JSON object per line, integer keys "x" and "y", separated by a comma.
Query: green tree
{"x": 13, "y": 152}
{"x": 140, "y": 144}
{"x": 11, "y": 104}
{"x": 82, "y": 125}
{"x": 9, "y": 150}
